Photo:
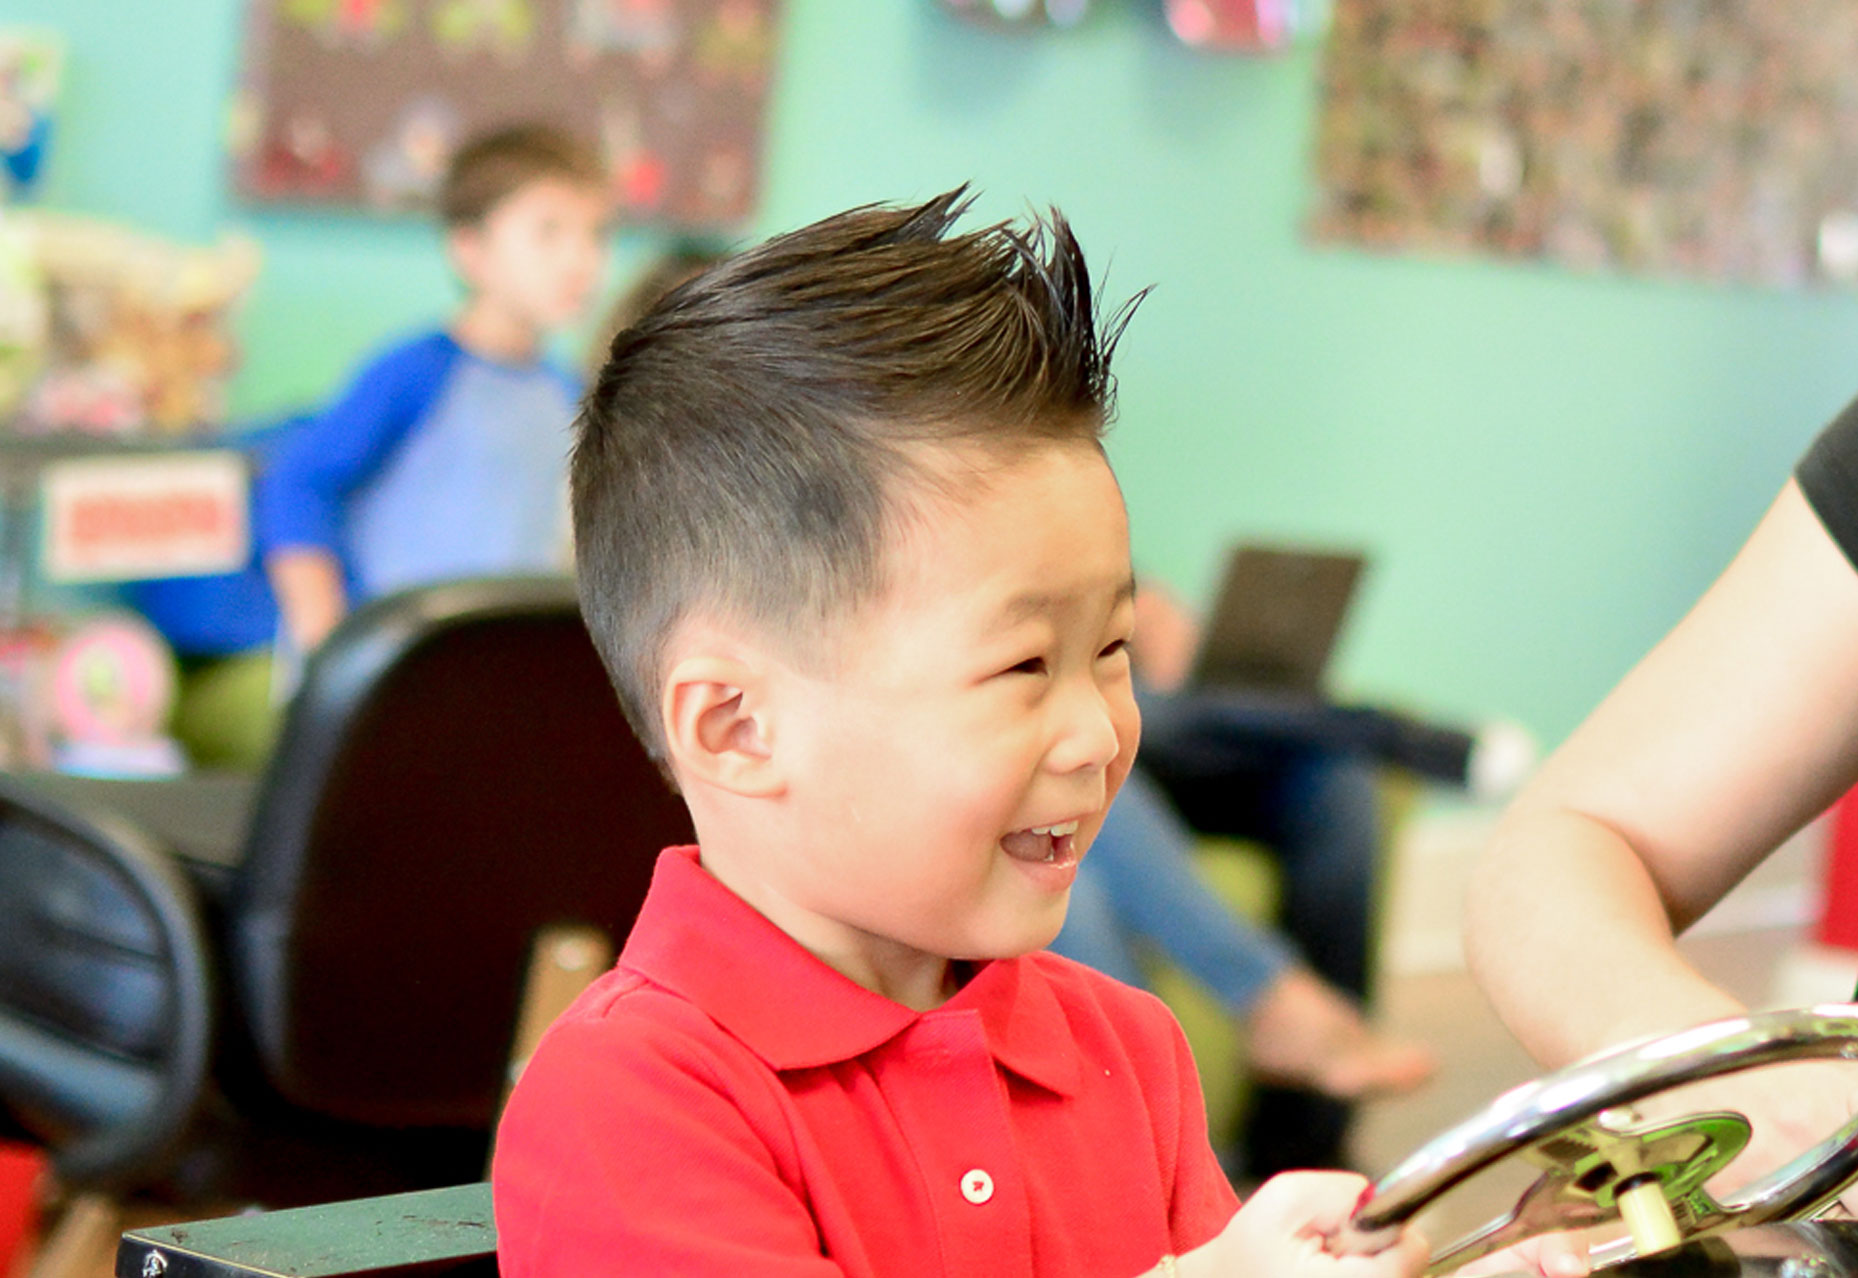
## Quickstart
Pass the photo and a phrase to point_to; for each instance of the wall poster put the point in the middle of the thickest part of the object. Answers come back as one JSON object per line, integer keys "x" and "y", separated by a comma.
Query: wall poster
{"x": 1711, "y": 137}
{"x": 359, "y": 103}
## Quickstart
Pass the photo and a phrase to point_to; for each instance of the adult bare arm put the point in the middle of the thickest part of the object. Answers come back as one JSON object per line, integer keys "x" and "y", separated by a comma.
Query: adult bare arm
{"x": 1731, "y": 734}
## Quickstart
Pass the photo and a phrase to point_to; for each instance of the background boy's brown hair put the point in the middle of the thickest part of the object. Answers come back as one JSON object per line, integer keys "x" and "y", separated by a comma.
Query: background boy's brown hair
{"x": 488, "y": 168}
{"x": 741, "y": 451}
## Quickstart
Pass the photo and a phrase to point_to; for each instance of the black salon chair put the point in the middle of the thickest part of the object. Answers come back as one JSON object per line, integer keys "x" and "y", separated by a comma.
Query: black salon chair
{"x": 107, "y": 992}
{"x": 331, "y": 1016}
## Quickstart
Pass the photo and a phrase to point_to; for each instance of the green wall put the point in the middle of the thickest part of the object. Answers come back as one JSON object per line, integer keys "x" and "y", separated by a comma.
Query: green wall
{"x": 1547, "y": 467}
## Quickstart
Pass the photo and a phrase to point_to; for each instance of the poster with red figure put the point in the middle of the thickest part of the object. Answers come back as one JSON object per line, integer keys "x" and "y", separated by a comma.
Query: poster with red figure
{"x": 359, "y": 103}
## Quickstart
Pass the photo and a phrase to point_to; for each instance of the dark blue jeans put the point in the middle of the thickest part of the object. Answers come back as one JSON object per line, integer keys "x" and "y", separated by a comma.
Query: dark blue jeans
{"x": 1300, "y": 779}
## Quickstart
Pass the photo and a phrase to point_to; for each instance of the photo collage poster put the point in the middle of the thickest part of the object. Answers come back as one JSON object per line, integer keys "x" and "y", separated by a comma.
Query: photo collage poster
{"x": 1701, "y": 137}
{"x": 359, "y": 103}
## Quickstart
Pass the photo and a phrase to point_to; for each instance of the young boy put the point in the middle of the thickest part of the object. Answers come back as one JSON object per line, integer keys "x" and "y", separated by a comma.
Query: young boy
{"x": 853, "y": 556}
{"x": 447, "y": 456}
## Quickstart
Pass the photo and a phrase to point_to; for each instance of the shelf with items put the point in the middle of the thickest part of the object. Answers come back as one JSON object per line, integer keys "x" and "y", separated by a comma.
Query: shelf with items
{"x": 90, "y": 689}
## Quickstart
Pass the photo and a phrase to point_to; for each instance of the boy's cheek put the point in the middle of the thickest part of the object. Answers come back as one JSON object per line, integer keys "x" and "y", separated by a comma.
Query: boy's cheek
{"x": 1119, "y": 773}
{"x": 1129, "y": 723}
{"x": 1131, "y": 741}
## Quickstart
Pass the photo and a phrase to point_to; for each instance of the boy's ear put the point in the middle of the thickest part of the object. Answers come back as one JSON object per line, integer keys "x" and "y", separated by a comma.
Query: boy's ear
{"x": 716, "y": 726}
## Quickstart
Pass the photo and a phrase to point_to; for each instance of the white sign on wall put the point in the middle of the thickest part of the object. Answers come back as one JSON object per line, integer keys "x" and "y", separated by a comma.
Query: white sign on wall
{"x": 130, "y": 518}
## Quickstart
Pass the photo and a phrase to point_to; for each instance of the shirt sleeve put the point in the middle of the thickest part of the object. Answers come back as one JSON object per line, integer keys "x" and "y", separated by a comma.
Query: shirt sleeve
{"x": 624, "y": 1150}
{"x": 298, "y": 499}
{"x": 1203, "y": 1198}
{"x": 1828, "y": 476}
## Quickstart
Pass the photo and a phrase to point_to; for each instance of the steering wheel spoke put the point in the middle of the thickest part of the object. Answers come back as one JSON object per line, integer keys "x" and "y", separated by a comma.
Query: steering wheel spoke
{"x": 1542, "y": 1209}
{"x": 1802, "y": 1188}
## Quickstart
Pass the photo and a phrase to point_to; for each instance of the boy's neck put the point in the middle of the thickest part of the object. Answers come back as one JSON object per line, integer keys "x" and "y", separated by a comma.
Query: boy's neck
{"x": 903, "y": 975}
{"x": 492, "y": 332}
{"x": 921, "y": 983}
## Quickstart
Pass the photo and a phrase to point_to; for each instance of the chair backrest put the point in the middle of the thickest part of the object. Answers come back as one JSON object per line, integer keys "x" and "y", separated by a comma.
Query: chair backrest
{"x": 453, "y": 774}
{"x": 106, "y": 992}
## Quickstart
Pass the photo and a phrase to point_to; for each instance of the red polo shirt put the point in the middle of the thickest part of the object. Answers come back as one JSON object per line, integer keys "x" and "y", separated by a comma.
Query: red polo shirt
{"x": 724, "y": 1103}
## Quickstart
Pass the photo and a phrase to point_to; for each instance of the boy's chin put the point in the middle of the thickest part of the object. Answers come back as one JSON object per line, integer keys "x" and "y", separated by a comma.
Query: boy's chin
{"x": 553, "y": 319}
{"x": 1018, "y": 947}
{"x": 1033, "y": 942}
{"x": 1029, "y": 936}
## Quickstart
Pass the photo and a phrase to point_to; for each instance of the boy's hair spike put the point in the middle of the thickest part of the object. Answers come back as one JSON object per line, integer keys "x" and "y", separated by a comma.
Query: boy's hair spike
{"x": 490, "y": 167}
{"x": 751, "y": 443}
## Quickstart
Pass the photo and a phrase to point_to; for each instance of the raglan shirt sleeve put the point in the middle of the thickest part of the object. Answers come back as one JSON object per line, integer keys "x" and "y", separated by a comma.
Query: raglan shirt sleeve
{"x": 628, "y": 1148}
{"x": 299, "y": 497}
{"x": 1828, "y": 476}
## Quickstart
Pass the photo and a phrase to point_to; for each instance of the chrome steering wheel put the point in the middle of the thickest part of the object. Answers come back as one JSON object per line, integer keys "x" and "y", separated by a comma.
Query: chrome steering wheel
{"x": 1600, "y": 1162}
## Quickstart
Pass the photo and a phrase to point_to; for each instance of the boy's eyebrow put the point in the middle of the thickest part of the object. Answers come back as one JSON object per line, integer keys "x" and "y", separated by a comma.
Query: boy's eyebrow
{"x": 1036, "y": 603}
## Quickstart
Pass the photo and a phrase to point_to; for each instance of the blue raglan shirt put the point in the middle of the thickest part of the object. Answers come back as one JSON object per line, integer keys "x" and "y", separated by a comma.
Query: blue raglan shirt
{"x": 435, "y": 463}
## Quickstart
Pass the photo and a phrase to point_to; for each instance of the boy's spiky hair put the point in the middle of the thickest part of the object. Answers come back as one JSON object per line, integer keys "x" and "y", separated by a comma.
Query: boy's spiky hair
{"x": 744, "y": 449}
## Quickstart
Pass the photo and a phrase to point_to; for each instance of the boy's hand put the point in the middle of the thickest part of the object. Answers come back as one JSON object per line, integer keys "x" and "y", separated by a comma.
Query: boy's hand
{"x": 1282, "y": 1231}
{"x": 310, "y": 594}
{"x": 1551, "y": 1255}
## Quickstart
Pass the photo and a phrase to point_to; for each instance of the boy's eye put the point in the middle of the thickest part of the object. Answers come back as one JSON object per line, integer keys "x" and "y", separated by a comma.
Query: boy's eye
{"x": 1031, "y": 666}
{"x": 1115, "y": 648}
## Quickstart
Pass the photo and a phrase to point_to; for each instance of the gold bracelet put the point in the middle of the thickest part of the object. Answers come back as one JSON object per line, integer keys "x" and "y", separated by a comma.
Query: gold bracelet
{"x": 1167, "y": 1266}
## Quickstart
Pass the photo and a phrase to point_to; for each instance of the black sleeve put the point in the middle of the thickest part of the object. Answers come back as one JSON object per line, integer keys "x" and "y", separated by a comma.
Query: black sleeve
{"x": 1828, "y": 475}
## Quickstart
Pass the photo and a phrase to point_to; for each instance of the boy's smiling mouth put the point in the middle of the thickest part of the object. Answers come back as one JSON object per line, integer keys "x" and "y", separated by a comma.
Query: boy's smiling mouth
{"x": 1045, "y": 844}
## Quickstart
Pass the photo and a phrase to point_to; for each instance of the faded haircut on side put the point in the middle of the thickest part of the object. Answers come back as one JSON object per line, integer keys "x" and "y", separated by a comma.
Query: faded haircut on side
{"x": 745, "y": 448}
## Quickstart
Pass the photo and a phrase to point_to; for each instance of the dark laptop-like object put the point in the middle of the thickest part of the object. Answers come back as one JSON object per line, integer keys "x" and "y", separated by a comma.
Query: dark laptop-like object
{"x": 1279, "y": 614}
{"x": 1275, "y": 624}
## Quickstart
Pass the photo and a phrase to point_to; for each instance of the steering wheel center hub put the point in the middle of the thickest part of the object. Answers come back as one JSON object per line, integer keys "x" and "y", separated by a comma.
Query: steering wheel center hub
{"x": 1594, "y": 1159}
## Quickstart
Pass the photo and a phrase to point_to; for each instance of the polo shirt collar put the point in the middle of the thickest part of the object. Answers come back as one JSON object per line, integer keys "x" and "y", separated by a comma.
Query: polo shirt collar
{"x": 701, "y": 941}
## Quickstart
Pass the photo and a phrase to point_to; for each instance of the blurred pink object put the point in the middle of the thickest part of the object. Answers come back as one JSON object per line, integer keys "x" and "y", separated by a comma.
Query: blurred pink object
{"x": 1243, "y": 26}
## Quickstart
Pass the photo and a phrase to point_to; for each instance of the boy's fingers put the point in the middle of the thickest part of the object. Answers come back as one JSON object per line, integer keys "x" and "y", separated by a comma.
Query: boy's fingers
{"x": 1563, "y": 1256}
{"x": 1405, "y": 1256}
{"x": 1319, "y": 1206}
{"x": 1312, "y": 1202}
{"x": 1413, "y": 1253}
{"x": 1552, "y": 1255}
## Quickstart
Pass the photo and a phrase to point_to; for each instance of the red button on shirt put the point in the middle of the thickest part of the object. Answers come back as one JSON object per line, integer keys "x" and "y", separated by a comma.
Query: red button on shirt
{"x": 724, "y": 1103}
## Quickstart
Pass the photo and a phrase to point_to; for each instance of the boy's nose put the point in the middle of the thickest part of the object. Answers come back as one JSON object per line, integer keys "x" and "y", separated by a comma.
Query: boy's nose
{"x": 1089, "y": 740}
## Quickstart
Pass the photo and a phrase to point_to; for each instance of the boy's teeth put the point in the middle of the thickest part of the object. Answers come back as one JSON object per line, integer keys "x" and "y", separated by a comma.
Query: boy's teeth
{"x": 1061, "y": 830}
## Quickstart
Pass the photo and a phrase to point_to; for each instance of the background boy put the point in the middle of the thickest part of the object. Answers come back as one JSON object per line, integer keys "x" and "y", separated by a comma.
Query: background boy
{"x": 852, "y": 553}
{"x": 447, "y": 455}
